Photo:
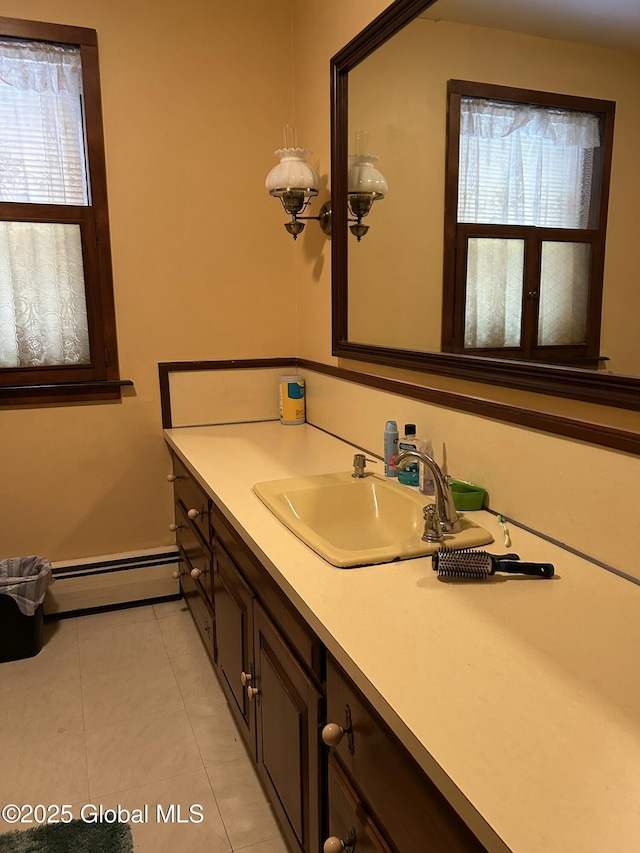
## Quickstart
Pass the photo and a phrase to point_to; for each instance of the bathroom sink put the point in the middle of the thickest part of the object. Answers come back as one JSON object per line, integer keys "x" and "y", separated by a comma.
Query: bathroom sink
{"x": 359, "y": 521}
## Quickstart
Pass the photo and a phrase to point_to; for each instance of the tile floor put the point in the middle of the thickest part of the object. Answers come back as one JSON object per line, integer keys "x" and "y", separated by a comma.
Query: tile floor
{"x": 123, "y": 708}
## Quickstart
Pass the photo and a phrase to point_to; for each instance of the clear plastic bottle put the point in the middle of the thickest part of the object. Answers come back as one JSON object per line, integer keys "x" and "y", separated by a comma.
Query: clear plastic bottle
{"x": 427, "y": 486}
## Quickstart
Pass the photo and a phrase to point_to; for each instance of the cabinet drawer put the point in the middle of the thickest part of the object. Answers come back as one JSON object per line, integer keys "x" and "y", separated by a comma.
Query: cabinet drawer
{"x": 200, "y": 610}
{"x": 349, "y": 820}
{"x": 413, "y": 814}
{"x": 192, "y": 498}
{"x": 197, "y": 557}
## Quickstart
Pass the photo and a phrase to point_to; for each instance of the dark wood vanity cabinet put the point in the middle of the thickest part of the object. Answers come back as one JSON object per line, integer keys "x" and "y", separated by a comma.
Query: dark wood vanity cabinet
{"x": 192, "y": 529}
{"x": 363, "y": 794}
{"x": 269, "y": 664}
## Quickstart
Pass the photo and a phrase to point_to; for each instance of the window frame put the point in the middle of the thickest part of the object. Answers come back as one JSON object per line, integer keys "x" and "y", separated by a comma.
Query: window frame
{"x": 100, "y": 378}
{"x": 456, "y": 234}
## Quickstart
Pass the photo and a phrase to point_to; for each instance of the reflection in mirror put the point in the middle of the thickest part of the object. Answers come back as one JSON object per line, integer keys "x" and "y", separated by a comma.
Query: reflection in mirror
{"x": 389, "y": 287}
{"x": 365, "y": 184}
{"x": 526, "y": 207}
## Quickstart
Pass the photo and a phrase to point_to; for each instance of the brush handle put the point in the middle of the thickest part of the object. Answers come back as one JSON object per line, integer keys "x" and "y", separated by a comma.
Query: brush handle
{"x": 541, "y": 570}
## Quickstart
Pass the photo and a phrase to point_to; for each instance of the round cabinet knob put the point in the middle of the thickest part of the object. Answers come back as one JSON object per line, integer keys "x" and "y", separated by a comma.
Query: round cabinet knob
{"x": 173, "y": 527}
{"x": 332, "y": 734}
{"x": 175, "y": 574}
{"x": 172, "y": 477}
{"x": 245, "y": 678}
{"x": 194, "y": 513}
{"x": 252, "y": 692}
{"x": 333, "y": 845}
{"x": 195, "y": 573}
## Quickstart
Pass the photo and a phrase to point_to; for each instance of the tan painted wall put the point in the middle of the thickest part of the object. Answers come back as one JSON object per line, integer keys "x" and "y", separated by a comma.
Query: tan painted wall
{"x": 329, "y": 26}
{"x": 194, "y": 99}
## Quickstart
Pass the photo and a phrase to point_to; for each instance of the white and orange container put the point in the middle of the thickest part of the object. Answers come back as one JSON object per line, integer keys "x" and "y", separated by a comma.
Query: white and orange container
{"x": 292, "y": 400}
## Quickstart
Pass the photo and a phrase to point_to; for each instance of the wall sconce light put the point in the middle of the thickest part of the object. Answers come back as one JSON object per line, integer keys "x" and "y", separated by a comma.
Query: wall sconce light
{"x": 295, "y": 182}
{"x": 365, "y": 184}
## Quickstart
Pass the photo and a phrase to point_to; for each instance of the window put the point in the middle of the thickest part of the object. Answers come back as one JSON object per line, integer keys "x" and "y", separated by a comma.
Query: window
{"x": 525, "y": 219}
{"x": 57, "y": 326}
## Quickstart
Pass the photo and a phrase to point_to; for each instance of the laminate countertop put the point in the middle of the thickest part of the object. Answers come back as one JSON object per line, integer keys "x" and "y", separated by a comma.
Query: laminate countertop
{"x": 520, "y": 697}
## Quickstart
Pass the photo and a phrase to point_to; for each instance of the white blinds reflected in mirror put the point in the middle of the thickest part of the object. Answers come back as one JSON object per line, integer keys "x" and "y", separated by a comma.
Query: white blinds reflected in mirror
{"x": 525, "y": 165}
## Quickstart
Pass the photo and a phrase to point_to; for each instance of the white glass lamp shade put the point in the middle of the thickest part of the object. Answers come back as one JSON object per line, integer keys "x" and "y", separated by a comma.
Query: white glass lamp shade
{"x": 293, "y": 173}
{"x": 364, "y": 178}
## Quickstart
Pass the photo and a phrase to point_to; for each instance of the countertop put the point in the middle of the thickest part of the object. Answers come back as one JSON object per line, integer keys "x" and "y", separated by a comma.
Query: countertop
{"x": 519, "y": 697}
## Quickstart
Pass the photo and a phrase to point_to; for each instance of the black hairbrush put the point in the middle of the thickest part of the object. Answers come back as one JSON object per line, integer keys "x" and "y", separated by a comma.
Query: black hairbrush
{"x": 477, "y": 565}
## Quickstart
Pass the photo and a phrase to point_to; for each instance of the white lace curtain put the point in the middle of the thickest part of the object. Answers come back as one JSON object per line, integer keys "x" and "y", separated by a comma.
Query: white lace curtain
{"x": 525, "y": 165}
{"x": 521, "y": 165}
{"x": 43, "y": 316}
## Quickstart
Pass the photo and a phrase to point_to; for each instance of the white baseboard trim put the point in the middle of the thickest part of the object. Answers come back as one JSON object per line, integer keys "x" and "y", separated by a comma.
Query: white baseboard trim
{"x": 113, "y": 579}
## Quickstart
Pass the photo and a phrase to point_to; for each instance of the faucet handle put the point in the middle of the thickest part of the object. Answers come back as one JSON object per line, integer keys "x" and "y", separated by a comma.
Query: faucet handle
{"x": 432, "y": 528}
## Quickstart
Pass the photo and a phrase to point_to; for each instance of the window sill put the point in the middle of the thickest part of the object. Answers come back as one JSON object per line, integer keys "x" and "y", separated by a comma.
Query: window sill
{"x": 69, "y": 392}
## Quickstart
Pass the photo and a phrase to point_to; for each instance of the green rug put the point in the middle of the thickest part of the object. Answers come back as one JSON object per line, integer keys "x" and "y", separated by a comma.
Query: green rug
{"x": 74, "y": 837}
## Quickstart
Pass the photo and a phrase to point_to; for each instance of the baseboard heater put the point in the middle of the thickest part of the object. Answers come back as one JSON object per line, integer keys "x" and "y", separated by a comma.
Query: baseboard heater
{"x": 113, "y": 580}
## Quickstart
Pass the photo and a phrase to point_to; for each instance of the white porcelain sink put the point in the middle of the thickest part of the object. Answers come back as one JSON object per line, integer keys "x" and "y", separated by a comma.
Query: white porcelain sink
{"x": 359, "y": 521}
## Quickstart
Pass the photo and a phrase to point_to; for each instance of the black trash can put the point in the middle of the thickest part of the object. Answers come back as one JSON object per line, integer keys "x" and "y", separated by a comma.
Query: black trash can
{"x": 23, "y": 584}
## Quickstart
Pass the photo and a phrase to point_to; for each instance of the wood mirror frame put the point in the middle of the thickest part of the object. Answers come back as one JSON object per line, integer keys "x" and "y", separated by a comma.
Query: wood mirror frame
{"x": 604, "y": 389}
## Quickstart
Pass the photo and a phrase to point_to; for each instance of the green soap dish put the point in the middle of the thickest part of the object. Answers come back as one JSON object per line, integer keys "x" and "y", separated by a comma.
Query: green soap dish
{"x": 466, "y": 496}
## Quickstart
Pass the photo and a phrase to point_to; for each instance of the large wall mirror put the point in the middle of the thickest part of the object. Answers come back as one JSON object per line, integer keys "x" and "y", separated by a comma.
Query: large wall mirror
{"x": 391, "y": 81}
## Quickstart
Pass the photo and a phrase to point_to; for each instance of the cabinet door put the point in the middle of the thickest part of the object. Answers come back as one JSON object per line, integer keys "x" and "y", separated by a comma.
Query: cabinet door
{"x": 288, "y": 715}
{"x": 234, "y": 640}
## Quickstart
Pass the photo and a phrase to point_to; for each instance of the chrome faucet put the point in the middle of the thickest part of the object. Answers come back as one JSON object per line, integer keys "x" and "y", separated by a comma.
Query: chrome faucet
{"x": 446, "y": 516}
